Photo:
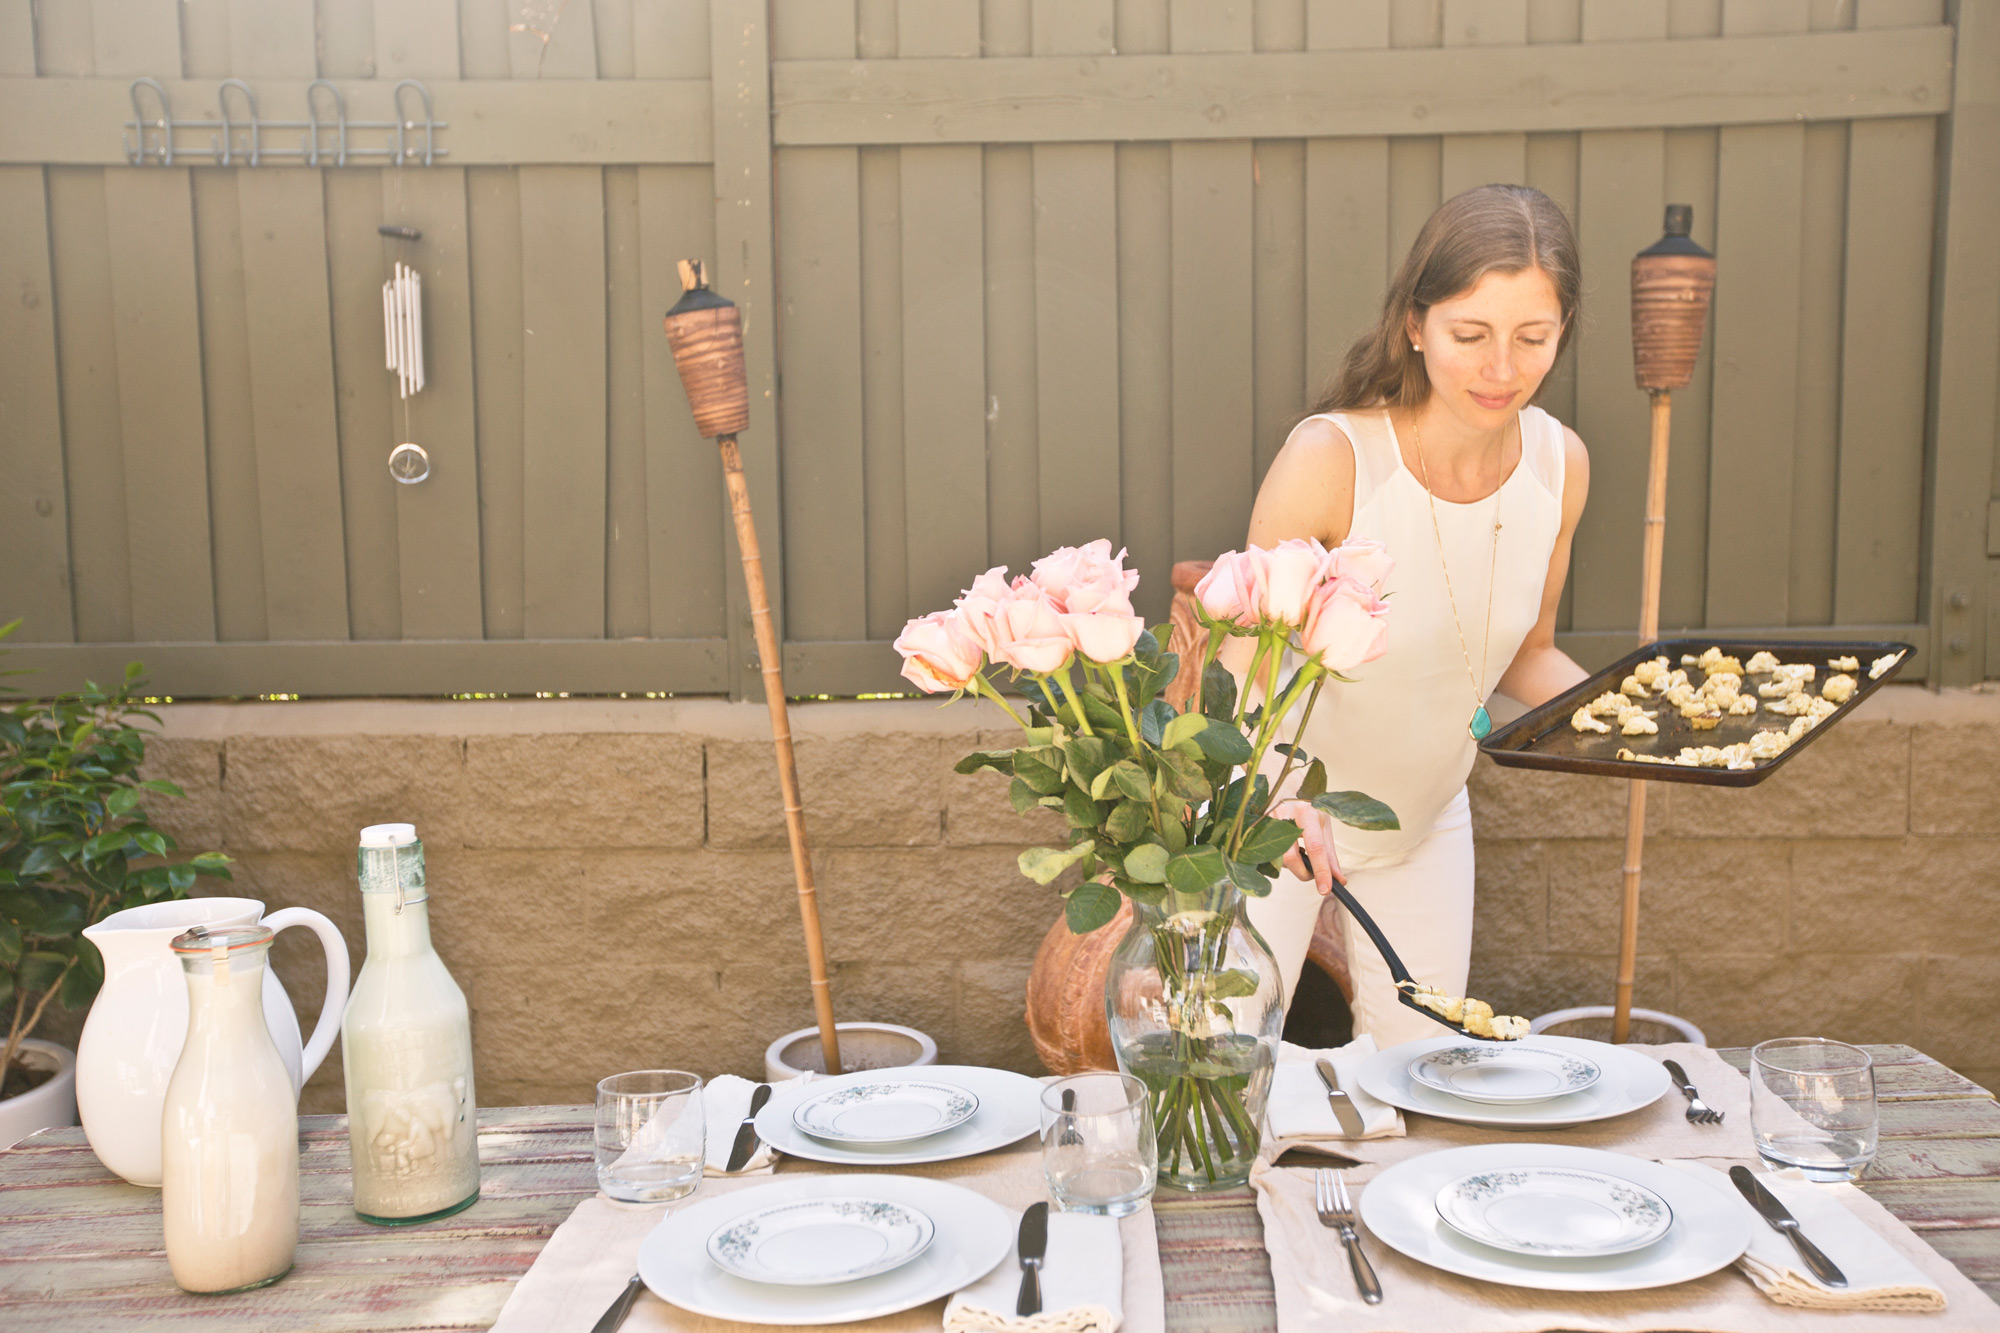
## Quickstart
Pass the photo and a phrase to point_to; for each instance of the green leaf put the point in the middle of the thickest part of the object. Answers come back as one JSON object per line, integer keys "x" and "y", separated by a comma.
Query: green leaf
{"x": 1223, "y": 743}
{"x": 1249, "y": 879}
{"x": 1218, "y": 692}
{"x": 1089, "y": 906}
{"x": 1131, "y": 779}
{"x": 39, "y": 970}
{"x": 1100, "y": 785}
{"x": 1357, "y": 810}
{"x": 1079, "y": 809}
{"x": 1232, "y": 984}
{"x": 1315, "y": 781}
{"x": 1001, "y": 760}
{"x": 153, "y": 844}
{"x": 1197, "y": 870}
{"x": 1183, "y": 728}
{"x": 1146, "y": 649}
{"x": 1150, "y": 894}
{"x": 1184, "y": 774}
{"x": 1154, "y": 720}
{"x": 1088, "y": 756}
{"x": 1176, "y": 835}
{"x": 120, "y": 802}
{"x": 162, "y": 786}
{"x": 1127, "y": 822}
{"x": 1267, "y": 840}
{"x": 1043, "y": 864}
{"x": 10, "y": 944}
{"x": 1041, "y": 768}
{"x": 80, "y": 983}
{"x": 41, "y": 860}
{"x": 1022, "y": 797}
{"x": 1147, "y": 863}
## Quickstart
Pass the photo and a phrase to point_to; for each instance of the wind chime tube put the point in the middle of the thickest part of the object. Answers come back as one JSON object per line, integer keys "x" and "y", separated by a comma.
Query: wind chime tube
{"x": 417, "y": 325}
{"x": 389, "y": 324}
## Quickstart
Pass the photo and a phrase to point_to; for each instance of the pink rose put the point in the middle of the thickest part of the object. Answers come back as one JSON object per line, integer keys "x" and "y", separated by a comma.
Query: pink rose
{"x": 1232, "y": 587}
{"x": 937, "y": 652}
{"x": 981, "y": 602}
{"x": 1361, "y": 558}
{"x": 1345, "y": 625}
{"x": 1293, "y": 571}
{"x": 1103, "y": 636}
{"x": 1087, "y": 578}
{"x": 1028, "y": 632}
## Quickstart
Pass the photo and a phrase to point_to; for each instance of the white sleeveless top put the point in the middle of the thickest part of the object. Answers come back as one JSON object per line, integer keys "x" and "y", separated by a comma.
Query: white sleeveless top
{"x": 1399, "y": 732}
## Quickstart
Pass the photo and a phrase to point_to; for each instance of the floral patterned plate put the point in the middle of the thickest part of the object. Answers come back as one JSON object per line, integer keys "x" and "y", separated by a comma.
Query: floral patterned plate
{"x": 1556, "y": 1212}
{"x": 888, "y": 1112}
{"x": 814, "y": 1242}
{"x": 1505, "y": 1075}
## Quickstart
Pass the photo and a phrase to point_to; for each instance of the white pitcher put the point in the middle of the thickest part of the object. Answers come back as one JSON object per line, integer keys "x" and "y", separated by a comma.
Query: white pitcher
{"x": 139, "y": 1021}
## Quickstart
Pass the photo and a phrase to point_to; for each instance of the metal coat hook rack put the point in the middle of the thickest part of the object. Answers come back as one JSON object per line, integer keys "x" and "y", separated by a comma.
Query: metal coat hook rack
{"x": 238, "y": 138}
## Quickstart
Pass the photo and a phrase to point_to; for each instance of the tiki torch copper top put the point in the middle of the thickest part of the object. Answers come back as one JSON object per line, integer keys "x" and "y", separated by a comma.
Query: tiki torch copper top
{"x": 1671, "y": 282}
{"x": 705, "y": 331}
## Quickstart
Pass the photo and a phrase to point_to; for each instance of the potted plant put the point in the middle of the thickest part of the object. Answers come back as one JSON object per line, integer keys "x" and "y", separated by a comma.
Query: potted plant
{"x": 75, "y": 846}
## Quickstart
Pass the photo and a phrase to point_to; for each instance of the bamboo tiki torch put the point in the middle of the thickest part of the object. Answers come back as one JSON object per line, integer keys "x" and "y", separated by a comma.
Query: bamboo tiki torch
{"x": 1671, "y": 283}
{"x": 705, "y": 332}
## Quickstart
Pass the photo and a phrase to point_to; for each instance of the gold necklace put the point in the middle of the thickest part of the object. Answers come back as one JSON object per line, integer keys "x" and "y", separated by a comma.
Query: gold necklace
{"x": 1481, "y": 725}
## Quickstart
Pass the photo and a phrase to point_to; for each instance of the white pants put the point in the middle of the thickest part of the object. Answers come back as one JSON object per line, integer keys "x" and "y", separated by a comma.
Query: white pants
{"x": 1423, "y": 903}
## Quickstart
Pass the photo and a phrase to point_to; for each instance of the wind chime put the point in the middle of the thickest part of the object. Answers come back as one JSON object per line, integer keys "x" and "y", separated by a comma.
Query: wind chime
{"x": 1672, "y": 280}
{"x": 403, "y": 335}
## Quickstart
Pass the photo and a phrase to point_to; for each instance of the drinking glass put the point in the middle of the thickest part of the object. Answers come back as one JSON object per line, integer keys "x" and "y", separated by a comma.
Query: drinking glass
{"x": 1098, "y": 1150}
{"x": 1812, "y": 1106}
{"x": 649, "y": 1135}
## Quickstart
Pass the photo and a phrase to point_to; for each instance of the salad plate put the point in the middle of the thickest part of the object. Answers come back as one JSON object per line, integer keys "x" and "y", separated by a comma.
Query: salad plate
{"x": 1562, "y": 1212}
{"x": 1628, "y": 1082}
{"x": 1009, "y": 1108}
{"x": 1505, "y": 1074}
{"x": 885, "y": 1111}
{"x": 808, "y": 1242}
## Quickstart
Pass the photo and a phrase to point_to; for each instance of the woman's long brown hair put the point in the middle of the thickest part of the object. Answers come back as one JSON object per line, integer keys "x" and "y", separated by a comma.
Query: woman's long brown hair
{"x": 1489, "y": 229}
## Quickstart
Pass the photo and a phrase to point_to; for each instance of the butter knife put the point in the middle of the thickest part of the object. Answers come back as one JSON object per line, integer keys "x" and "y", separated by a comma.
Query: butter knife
{"x": 1781, "y": 1220}
{"x": 1033, "y": 1245}
{"x": 746, "y": 1133}
{"x": 609, "y": 1321}
{"x": 1344, "y": 1109}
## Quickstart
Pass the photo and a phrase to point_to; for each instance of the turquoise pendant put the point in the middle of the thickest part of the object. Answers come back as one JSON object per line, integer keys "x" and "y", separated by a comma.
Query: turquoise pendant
{"x": 1481, "y": 725}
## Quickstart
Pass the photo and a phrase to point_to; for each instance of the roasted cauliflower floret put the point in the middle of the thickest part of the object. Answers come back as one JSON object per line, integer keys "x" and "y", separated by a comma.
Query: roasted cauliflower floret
{"x": 1581, "y": 720}
{"x": 1791, "y": 705}
{"x": 1646, "y": 673}
{"x": 1638, "y": 724}
{"x": 1632, "y": 686}
{"x": 1769, "y": 744}
{"x": 1838, "y": 688}
{"x": 1781, "y": 687}
{"x": 1845, "y": 664}
{"x": 1882, "y": 664}
{"x": 1714, "y": 660}
{"x": 1762, "y": 662}
{"x": 1743, "y": 705}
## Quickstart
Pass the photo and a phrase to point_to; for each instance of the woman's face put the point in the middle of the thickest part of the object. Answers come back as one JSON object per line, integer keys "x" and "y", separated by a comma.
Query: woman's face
{"x": 1487, "y": 350}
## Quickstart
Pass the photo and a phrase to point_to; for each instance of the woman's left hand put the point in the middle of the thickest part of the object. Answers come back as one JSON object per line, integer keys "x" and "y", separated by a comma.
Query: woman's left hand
{"x": 1313, "y": 842}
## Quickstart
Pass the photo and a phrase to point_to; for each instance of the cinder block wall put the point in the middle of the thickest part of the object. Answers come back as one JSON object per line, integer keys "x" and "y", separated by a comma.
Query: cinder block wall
{"x": 611, "y": 883}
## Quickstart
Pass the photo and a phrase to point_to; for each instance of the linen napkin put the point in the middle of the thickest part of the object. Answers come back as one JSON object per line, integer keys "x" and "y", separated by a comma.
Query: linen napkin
{"x": 1298, "y": 1109}
{"x": 725, "y": 1103}
{"x": 1082, "y": 1285}
{"x": 1878, "y": 1277}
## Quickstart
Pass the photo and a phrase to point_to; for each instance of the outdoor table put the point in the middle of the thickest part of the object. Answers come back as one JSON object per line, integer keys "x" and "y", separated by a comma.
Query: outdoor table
{"x": 82, "y": 1249}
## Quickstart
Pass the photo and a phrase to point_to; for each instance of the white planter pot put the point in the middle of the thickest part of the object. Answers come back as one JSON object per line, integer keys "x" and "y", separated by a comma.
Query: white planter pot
{"x": 862, "y": 1046}
{"x": 1586, "y": 1020}
{"x": 49, "y": 1105}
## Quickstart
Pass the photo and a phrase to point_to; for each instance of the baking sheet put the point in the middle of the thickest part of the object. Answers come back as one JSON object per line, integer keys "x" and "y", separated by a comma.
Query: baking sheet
{"x": 1543, "y": 737}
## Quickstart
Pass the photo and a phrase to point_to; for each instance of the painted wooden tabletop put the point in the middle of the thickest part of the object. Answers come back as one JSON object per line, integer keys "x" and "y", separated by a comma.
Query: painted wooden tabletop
{"x": 82, "y": 1250}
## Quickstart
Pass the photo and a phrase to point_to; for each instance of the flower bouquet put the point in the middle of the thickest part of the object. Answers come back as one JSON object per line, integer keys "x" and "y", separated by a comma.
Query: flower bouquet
{"x": 1175, "y": 810}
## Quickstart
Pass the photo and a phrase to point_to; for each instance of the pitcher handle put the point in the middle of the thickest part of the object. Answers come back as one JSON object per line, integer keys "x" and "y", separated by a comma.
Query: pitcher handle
{"x": 331, "y": 940}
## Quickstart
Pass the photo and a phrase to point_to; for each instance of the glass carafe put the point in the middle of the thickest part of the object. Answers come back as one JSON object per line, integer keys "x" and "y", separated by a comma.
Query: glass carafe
{"x": 412, "y": 1120}
{"x": 229, "y": 1143}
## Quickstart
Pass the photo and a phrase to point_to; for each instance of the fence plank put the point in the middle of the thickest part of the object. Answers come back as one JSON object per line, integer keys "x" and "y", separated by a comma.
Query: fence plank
{"x": 553, "y": 39}
{"x": 493, "y": 206}
{"x": 1145, "y": 370}
{"x": 1469, "y": 160}
{"x": 627, "y": 566}
{"x": 149, "y": 216}
{"x": 562, "y": 402}
{"x": 684, "y": 509}
{"x": 437, "y": 520}
{"x": 34, "y": 513}
{"x": 1815, "y": 447}
{"x": 1760, "y": 178}
{"x": 371, "y": 417}
{"x": 1618, "y": 85}
{"x": 1965, "y": 332}
{"x": 17, "y": 39}
{"x": 882, "y": 389}
{"x": 288, "y": 322}
{"x": 135, "y": 37}
{"x": 1278, "y": 354}
{"x": 1551, "y": 167}
{"x": 1076, "y": 341}
{"x": 1013, "y": 455}
{"x": 272, "y": 38}
{"x": 820, "y": 410}
{"x": 1891, "y": 184}
{"x": 1346, "y": 208}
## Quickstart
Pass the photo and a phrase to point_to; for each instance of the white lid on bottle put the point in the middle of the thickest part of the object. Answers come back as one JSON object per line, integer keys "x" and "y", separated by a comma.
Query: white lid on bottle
{"x": 389, "y": 835}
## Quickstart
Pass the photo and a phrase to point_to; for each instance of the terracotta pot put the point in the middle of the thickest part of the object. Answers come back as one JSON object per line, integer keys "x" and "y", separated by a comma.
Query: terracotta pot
{"x": 1066, "y": 996}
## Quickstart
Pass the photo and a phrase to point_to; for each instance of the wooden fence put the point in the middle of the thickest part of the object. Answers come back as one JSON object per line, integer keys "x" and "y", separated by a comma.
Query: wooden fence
{"x": 1015, "y": 273}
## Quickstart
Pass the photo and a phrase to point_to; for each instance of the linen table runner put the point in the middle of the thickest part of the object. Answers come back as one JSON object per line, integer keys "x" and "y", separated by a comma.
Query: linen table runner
{"x": 589, "y": 1259}
{"x": 1315, "y": 1290}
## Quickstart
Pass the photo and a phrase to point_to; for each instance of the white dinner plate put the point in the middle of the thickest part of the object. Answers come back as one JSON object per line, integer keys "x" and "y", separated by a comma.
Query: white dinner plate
{"x": 1558, "y": 1211}
{"x": 1009, "y": 1109}
{"x": 890, "y": 1111}
{"x": 1630, "y": 1081}
{"x": 1505, "y": 1074}
{"x": 1710, "y": 1228}
{"x": 812, "y": 1242}
{"x": 972, "y": 1234}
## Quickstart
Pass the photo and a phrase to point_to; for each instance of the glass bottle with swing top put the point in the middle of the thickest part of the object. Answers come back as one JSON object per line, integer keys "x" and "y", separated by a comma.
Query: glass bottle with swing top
{"x": 406, "y": 1044}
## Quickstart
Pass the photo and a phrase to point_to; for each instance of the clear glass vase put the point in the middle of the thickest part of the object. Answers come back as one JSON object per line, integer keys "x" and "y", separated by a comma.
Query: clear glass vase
{"x": 1193, "y": 1001}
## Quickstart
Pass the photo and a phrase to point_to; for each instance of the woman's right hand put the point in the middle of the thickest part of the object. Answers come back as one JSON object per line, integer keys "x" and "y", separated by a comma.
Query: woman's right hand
{"x": 1312, "y": 856}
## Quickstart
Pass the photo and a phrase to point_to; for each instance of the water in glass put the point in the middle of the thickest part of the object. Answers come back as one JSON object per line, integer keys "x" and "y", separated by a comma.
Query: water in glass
{"x": 650, "y": 1142}
{"x": 1812, "y": 1106}
{"x": 1098, "y": 1150}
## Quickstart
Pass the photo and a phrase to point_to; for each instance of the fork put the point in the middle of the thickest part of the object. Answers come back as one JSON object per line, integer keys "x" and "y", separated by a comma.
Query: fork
{"x": 1336, "y": 1210}
{"x": 1699, "y": 1112}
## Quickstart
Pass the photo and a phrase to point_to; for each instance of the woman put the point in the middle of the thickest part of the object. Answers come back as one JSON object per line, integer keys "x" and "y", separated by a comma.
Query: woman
{"x": 1428, "y": 442}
